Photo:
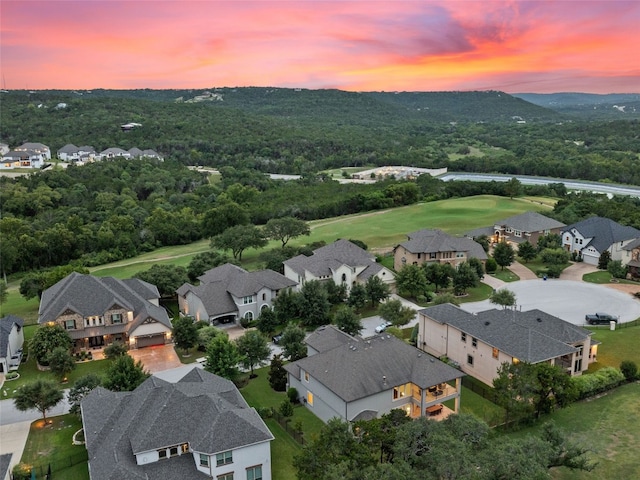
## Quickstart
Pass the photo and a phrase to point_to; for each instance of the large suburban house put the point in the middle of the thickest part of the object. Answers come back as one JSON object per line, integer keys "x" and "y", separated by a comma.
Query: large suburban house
{"x": 22, "y": 159}
{"x": 115, "y": 152}
{"x": 528, "y": 226}
{"x": 228, "y": 293}
{"x": 11, "y": 341}
{"x": 198, "y": 427}
{"x": 80, "y": 155}
{"x": 99, "y": 311}
{"x": 341, "y": 261}
{"x": 595, "y": 235}
{"x": 480, "y": 343}
{"x": 436, "y": 246}
{"x": 631, "y": 258}
{"x": 359, "y": 379}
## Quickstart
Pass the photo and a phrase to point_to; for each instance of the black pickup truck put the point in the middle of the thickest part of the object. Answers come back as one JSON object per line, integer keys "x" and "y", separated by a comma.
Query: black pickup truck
{"x": 600, "y": 319}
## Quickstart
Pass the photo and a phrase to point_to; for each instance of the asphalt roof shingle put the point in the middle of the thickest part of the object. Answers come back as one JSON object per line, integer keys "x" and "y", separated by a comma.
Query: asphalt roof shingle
{"x": 603, "y": 232}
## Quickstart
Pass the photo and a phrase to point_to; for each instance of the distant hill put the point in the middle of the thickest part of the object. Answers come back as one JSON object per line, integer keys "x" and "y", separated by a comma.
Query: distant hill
{"x": 340, "y": 107}
{"x": 610, "y": 106}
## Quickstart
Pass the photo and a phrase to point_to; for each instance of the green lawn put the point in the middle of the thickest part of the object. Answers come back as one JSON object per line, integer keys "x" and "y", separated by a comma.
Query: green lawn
{"x": 617, "y": 346}
{"x": 52, "y": 444}
{"x": 604, "y": 277}
{"x": 505, "y": 275}
{"x": 608, "y": 426}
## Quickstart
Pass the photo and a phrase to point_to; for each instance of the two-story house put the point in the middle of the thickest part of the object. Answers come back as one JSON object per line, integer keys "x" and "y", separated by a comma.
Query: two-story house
{"x": 228, "y": 293}
{"x": 80, "y": 155}
{"x": 11, "y": 341}
{"x": 480, "y": 343}
{"x": 631, "y": 258}
{"x": 593, "y": 236}
{"x": 436, "y": 246}
{"x": 341, "y": 261}
{"x": 97, "y": 311}
{"x": 198, "y": 427}
{"x": 528, "y": 226}
{"x": 359, "y": 379}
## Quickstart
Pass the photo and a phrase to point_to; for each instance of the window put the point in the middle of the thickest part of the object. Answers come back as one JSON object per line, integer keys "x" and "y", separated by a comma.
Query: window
{"x": 344, "y": 277}
{"x": 173, "y": 451}
{"x": 264, "y": 296}
{"x": 306, "y": 376}
{"x": 460, "y": 255}
{"x": 470, "y": 360}
{"x": 70, "y": 324}
{"x": 248, "y": 316}
{"x": 432, "y": 255}
{"x": 116, "y": 318}
{"x": 162, "y": 453}
{"x": 419, "y": 255}
{"x": 247, "y": 300}
{"x": 463, "y": 337}
{"x": 224, "y": 458}
{"x": 495, "y": 353}
{"x": 226, "y": 476}
{"x": 474, "y": 342}
{"x": 204, "y": 460}
{"x": 310, "y": 398}
{"x": 254, "y": 473}
{"x": 401, "y": 391}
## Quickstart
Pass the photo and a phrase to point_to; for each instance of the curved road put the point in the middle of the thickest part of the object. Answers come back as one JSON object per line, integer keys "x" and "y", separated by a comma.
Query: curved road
{"x": 596, "y": 187}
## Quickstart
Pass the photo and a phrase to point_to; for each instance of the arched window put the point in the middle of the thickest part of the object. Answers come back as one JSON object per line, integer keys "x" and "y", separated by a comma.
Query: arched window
{"x": 344, "y": 277}
{"x": 248, "y": 316}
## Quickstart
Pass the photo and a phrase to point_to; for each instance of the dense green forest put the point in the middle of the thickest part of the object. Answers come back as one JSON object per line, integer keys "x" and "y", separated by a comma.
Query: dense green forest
{"x": 306, "y": 131}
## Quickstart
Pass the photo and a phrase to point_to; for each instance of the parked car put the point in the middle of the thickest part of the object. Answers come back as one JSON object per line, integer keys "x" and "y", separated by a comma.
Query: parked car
{"x": 383, "y": 326}
{"x": 600, "y": 318}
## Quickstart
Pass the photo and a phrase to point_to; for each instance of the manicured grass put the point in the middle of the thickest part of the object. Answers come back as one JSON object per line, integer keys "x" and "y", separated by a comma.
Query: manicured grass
{"x": 617, "y": 346}
{"x": 477, "y": 294}
{"x": 604, "y": 277}
{"x": 18, "y": 306}
{"x": 471, "y": 402}
{"x": 537, "y": 267}
{"x": 505, "y": 275}
{"x": 608, "y": 426}
{"x": 283, "y": 449}
{"x": 52, "y": 444}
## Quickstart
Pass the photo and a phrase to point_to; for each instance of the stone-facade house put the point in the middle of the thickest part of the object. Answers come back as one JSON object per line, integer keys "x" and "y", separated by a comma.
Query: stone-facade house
{"x": 528, "y": 226}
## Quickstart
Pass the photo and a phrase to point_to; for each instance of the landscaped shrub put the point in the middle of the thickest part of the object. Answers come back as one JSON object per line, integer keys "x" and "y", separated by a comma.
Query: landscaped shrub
{"x": 265, "y": 412}
{"x": 554, "y": 271}
{"x": 598, "y": 382}
{"x": 115, "y": 350}
{"x": 292, "y": 394}
{"x": 12, "y": 375}
{"x": 554, "y": 256}
{"x": 629, "y": 369}
{"x": 286, "y": 408}
{"x": 21, "y": 471}
{"x": 491, "y": 265}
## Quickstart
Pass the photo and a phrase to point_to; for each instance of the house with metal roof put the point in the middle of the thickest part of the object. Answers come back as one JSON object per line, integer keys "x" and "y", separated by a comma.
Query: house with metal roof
{"x": 480, "y": 343}
{"x": 528, "y": 226}
{"x": 198, "y": 427}
{"x": 352, "y": 378}
{"x": 436, "y": 246}
{"x": 595, "y": 235}
{"x": 228, "y": 293}
{"x": 11, "y": 341}
{"x": 97, "y": 311}
{"x": 341, "y": 261}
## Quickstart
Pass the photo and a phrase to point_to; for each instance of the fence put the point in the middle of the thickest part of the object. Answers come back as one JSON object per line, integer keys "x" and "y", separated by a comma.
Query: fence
{"x": 285, "y": 422}
{"x": 479, "y": 388}
{"x": 46, "y": 470}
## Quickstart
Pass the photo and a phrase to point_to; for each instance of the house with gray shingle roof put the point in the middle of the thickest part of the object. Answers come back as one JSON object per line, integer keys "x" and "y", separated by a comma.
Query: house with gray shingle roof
{"x": 595, "y": 235}
{"x": 358, "y": 379}
{"x": 198, "y": 427}
{"x": 436, "y": 246}
{"x": 528, "y": 226}
{"x": 480, "y": 343}
{"x": 97, "y": 311}
{"x": 228, "y": 293}
{"x": 341, "y": 261}
{"x": 631, "y": 258}
{"x": 11, "y": 341}
{"x": 37, "y": 148}
{"x": 71, "y": 153}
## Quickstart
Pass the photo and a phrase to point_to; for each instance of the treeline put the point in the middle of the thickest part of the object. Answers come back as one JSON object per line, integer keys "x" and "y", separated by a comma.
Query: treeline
{"x": 284, "y": 131}
{"x": 107, "y": 211}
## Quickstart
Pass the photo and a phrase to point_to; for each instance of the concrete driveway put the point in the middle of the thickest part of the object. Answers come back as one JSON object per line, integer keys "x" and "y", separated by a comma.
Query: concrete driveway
{"x": 567, "y": 299}
{"x": 157, "y": 358}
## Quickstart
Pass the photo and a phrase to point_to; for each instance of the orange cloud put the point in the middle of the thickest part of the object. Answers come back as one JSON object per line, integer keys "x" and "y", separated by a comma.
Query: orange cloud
{"x": 354, "y": 45}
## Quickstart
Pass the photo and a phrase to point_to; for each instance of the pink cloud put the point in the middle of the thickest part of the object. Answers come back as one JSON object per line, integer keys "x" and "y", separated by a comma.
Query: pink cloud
{"x": 356, "y": 45}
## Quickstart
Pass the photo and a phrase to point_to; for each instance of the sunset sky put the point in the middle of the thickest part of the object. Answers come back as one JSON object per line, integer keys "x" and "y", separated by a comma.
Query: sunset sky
{"x": 513, "y": 46}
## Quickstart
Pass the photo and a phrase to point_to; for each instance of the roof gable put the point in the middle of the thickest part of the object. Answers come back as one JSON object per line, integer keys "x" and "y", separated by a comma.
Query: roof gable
{"x": 604, "y": 232}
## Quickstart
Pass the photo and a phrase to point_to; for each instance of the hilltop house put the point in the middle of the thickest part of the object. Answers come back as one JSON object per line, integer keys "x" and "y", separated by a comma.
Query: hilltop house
{"x": 528, "y": 226}
{"x": 359, "y": 379}
{"x": 481, "y": 342}
{"x": 341, "y": 261}
{"x": 99, "y": 311}
{"x": 593, "y": 236}
{"x": 27, "y": 155}
{"x": 198, "y": 427}
{"x": 228, "y": 293}
{"x": 435, "y": 246}
{"x": 11, "y": 341}
{"x": 37, "y": 148}
{"x": 71, "y": 153}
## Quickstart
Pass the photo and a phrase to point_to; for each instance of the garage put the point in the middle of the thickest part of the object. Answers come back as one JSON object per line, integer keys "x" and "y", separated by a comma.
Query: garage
{"x": 149, "y": 340}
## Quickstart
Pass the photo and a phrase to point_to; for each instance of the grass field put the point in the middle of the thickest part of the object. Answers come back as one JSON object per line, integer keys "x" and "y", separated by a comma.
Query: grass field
{"x": 608, "y": 426}
{"x": 52, "y": 444}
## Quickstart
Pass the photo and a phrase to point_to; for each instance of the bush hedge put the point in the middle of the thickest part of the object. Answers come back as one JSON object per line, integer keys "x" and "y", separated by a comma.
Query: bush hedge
{"x": 598, "y": 382}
